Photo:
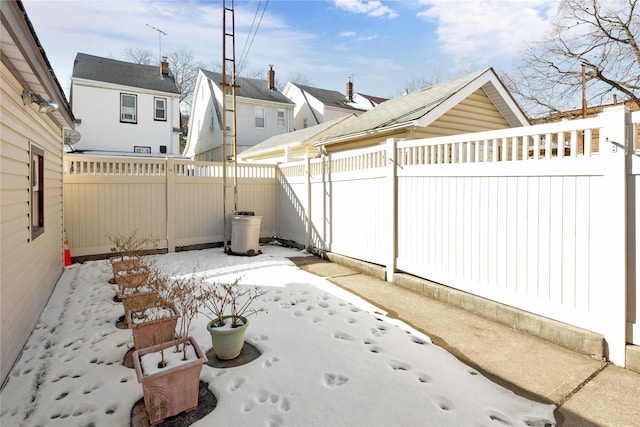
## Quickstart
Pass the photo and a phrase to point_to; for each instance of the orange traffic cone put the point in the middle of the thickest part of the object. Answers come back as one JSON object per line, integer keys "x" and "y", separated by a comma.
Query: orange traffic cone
{"x": 67, "y": 254}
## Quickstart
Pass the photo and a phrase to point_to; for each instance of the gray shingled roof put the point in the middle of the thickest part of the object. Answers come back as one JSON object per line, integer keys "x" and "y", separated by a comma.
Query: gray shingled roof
{"x": 250, "y": 88}
{"x": 404, "y": 109}
{"x": 292, "y": 138}
{"x": 122, "y": 73}
{"x": 331, "y": 98}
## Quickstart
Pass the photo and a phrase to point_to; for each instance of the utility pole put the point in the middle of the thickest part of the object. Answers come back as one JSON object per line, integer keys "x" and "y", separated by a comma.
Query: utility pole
{"x": 229, "y": 137}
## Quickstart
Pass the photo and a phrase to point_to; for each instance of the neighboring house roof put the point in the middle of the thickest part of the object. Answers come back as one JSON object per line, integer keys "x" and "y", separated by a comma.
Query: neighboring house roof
{"x": 330, "y": 98}
{"x": 373, "y": 100}
{"x": 577, "y": 113}
{"x": 419, "y": 109}
{"x": 107, "y": 70}
{"x": 304, "y": 136}
{"x": 250, "y": 88}
{"x": 27, "y": 61}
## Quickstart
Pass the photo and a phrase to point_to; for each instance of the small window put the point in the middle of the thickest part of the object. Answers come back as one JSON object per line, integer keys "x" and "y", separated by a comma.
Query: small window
{"x": 37, "y": 191}
{"x": 128, "y": 108}
{"x": 305, "y": 123}
{"x": 141, "y": 149}
{"x": 259, "y": 117}
{"x": 160, "y": 109}
{"x": 281, "y": 121}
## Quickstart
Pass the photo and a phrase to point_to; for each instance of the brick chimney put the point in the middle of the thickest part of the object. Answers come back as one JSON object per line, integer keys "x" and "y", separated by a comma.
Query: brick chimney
{"x": 349, "y": 89}
{"x": 164, "y": 67}
{"x": 271, "y": 78}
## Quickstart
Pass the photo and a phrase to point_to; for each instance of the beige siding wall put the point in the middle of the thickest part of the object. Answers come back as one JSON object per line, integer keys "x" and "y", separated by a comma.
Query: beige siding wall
{"x": 28, "y": 269}
{"x": 475, "y": 114}
{"x": 177, "y": 202}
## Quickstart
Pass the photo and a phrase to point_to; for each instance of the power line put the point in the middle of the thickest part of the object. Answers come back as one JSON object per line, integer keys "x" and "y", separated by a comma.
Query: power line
{"x": 245, "y": 49}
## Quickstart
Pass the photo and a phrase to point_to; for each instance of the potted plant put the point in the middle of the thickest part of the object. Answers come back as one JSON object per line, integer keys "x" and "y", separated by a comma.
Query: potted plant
{"x": 150, "y": 293}
{"x": 230, "y": 306}
{"x": 170, "y": 371}
{"x": 127, "y": 253}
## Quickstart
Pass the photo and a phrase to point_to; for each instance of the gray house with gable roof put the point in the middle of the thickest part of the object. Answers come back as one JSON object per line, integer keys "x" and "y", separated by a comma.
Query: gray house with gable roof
{"x": 125, "y": 108}
{"x": 261, "y": 113}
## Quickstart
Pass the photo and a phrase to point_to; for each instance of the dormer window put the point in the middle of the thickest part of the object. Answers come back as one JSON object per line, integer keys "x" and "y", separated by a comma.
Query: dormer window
{"x": 160, "y": 109}
{"x": 128, "y": 108}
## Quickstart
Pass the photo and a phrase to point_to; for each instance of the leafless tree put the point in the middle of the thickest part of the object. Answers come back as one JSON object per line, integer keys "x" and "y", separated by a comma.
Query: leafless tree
{"x": 415, "y": 84}
{"x": 140, "y": 55}
{"x": 184, "y": 69}
{"x": 602, "y": 35}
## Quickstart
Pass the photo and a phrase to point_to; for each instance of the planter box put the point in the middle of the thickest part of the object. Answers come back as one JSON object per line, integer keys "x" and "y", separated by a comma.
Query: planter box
{"x": 119, "y": 264}
{"x": 136, "y": 299}
{"x": 131, "y": 279}
{"x": 171, "y": 390}
{"x": 149, "y": 333}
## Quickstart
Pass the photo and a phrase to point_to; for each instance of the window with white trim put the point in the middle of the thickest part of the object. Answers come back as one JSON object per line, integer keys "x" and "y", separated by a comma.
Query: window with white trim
{"x": 260, "y": 117}
{"x": 281, "y": 118}
{"x": 128, "y": 108}
{"x": 160, "y": 109}
{"x": 36, "y": 178}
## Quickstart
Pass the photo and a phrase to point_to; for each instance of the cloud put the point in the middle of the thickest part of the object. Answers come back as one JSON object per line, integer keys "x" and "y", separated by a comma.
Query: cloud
{"x": 369, "y": 7}
{"x": 347, "y": 33}
{"x": 479, "y": 31}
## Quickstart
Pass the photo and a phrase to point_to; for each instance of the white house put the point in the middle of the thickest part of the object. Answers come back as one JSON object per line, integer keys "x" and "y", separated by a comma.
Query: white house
{"x": 292, "y": 146}
{"x": 125, "y": 108}
{"x": 315, "y": 105}
{"x": 35, "y": 114}
{"x": 261, "y": 112}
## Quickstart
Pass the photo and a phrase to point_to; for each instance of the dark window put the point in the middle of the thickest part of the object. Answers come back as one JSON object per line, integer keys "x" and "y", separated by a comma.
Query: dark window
{"x": 37, "y": 191}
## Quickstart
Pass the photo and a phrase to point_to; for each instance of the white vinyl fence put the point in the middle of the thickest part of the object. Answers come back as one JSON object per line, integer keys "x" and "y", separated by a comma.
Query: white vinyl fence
{"x": 495, "y": 214}
{"x": 178, "y": 202}
{"x": 541, "y": 218}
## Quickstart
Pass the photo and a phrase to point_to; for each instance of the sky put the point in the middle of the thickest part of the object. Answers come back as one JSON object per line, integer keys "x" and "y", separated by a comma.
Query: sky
{"x": 327, "y": 358}
{"x": 381, "y": 45}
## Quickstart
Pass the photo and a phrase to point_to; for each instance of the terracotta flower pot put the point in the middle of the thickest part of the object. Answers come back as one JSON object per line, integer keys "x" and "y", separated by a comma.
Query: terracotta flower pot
{"x": 131, "y": 279}
{"x": 227, "y": 342}
{"x": 136, "y": 299}
{"x": 151, "y": 332}
{"x": 119, "y": 264}
{"x": 173, "y": 389}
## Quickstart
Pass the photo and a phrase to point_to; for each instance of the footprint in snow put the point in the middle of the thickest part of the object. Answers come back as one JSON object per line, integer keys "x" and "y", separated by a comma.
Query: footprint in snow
{"x": 335, "y": 380}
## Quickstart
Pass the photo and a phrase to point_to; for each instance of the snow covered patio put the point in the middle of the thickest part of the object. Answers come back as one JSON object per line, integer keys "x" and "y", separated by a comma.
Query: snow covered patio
{"x": 328, "y": 358}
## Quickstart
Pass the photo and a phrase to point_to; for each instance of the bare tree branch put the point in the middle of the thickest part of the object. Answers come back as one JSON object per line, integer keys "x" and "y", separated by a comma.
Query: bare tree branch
{"x": 600, "y": 34}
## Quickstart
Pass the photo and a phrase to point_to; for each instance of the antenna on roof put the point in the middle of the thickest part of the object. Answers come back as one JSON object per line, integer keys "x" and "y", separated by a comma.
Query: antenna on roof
{"x": 160, "y": 33}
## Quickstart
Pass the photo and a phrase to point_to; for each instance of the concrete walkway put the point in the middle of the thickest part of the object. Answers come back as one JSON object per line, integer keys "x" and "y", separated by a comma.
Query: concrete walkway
{"x": 588, "y": 392}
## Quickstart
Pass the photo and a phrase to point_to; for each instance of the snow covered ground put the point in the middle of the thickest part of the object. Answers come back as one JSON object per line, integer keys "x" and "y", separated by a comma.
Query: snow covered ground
{"x": 328, "y": 358}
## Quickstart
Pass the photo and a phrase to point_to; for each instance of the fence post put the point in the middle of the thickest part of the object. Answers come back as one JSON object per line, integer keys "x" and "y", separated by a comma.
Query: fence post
{"x": 307, "y": 208}
{"x": 612, "y": 274}
{"x": 392, "y": 207}
{"x": 171, "y": 205}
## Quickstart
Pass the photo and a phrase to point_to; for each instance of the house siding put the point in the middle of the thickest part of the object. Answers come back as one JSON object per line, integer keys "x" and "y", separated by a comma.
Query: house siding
{"x": 205, "y": 142}
{"x": 29, "y": 269}
{"x": 475, "y": 113}
{"x": 97, "y": 105}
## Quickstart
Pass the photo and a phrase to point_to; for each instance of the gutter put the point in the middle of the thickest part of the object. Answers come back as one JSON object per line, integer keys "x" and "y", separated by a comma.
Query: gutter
{"x": 369, "y": 132}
